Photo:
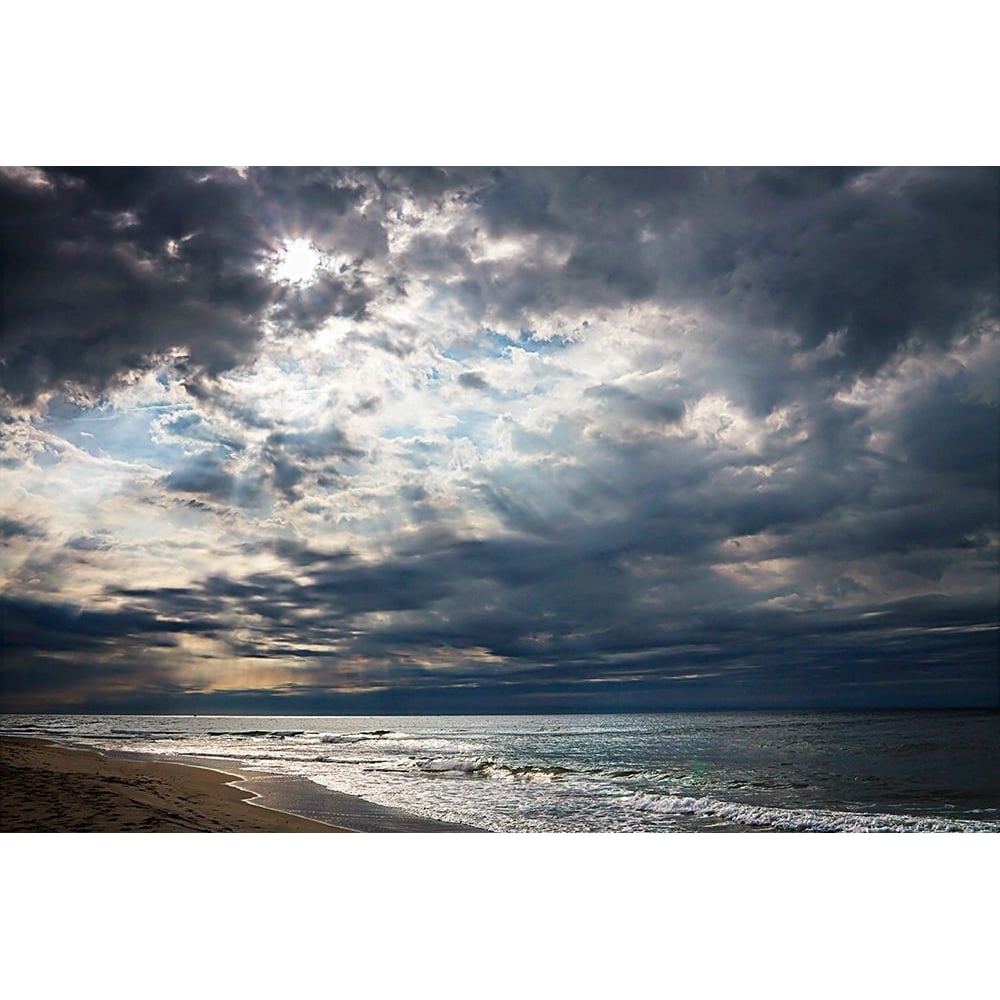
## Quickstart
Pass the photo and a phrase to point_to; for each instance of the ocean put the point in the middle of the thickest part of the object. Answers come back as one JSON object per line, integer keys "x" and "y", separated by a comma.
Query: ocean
{"x": 679, "y": 772}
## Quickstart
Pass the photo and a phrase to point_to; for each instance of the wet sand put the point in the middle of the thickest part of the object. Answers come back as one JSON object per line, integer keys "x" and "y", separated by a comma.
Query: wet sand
{"x": 46, "y": 787}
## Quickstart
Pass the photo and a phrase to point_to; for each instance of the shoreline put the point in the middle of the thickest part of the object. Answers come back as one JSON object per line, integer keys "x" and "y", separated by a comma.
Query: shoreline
{"x": 53, "y": 787}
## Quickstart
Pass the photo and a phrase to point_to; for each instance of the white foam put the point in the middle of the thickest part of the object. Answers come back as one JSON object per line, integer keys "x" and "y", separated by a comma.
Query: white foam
{"x": 815, "y": 820}
{"x": 458, "y": 765}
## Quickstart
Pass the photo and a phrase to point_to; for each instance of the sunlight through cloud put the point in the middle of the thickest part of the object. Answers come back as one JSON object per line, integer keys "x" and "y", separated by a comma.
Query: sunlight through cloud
{"x": 298, "y": 262}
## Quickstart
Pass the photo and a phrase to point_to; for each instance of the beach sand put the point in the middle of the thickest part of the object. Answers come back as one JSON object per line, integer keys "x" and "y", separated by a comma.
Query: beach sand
{"x": 47, "y": 788}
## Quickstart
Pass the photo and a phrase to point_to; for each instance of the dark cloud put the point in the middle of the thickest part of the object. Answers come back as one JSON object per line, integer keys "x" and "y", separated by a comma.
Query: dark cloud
{"x": 41, "y": 626}
{"x": 293, "y": 455}
{"x": 202, "y": 473}
{"x": 954, "y": 436}
{"x": 92, "y": 291}
{"x": 473, "y": 380}
{"x": 880, "y": 256}
{"x": 89, "y": 543}
{"x": 307, "y": 308}
{"x": 108, "y": 270}
{"x": 11, "y": 527}
{"x": 892, "y": 256}
{"x": 327, "y": 442}
{"x": 473, "y": 598}
{"x": 664, "y": 410}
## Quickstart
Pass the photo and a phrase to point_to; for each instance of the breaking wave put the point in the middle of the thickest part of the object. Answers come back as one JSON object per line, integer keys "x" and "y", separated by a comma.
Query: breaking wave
{"x": 270, "y": 734}
{"x": 800, "y": 820}
{"x": 374, "y": 734}
{"x": 485, "y": 768}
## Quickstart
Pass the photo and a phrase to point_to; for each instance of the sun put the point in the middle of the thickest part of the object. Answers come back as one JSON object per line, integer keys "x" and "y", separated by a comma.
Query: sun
{"x": 298, "y": 262}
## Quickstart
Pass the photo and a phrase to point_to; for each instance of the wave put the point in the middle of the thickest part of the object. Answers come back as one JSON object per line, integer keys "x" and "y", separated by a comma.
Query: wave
{"x": 161, "y": 734}
{"x": 801, "y": 820}
{"x": 271, "y": 734}
{"x": 454, "y": 765}
{"x": 484, "y": 767}
{"x": 374, "y": 734}
{"x": 279, "y": 761}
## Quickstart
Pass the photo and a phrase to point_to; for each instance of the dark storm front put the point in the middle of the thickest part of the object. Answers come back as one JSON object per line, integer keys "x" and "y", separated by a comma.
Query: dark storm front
{"x": 800, "y": 771}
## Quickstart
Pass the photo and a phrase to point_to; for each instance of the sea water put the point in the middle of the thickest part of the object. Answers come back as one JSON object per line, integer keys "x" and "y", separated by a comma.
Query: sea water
{"x": 792, "y": 771}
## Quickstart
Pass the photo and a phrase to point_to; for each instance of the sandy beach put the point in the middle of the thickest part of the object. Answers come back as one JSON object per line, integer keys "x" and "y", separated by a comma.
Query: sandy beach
{"x": 47, "y": 788}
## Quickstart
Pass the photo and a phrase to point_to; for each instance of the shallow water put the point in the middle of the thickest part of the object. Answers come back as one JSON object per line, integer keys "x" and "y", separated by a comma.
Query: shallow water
{"x": 797, "y": 771}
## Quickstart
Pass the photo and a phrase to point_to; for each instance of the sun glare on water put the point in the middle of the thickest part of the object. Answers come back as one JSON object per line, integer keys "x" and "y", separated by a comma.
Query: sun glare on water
{"x": 297, "y": 263}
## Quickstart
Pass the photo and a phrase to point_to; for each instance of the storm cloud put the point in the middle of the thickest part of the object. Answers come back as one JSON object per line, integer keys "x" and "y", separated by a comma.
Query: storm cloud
{"x": 499, "y": 439}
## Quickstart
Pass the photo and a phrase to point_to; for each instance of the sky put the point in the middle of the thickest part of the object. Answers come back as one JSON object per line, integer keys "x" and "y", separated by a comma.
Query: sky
{"x": 302, "y": 440}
